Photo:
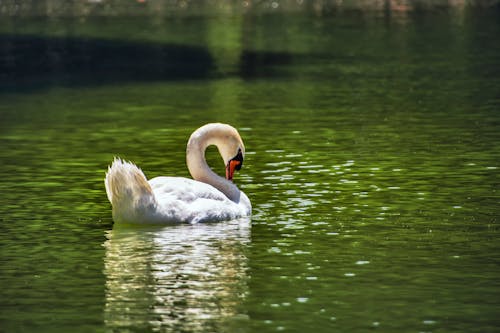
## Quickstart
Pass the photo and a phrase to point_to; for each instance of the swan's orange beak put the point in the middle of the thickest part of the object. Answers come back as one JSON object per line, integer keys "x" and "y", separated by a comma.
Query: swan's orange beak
{"x": 234, "y": 164}
{"x": 231, "y": 167}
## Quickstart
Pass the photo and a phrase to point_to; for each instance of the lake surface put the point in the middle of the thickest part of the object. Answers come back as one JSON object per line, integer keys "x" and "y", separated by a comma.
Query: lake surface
{"x": 373, "y": 155}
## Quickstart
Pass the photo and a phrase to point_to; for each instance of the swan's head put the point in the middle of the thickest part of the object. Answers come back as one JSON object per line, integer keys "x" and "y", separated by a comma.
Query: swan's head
{"x": 228, "y": 141}
{"x": 231, "y": 148}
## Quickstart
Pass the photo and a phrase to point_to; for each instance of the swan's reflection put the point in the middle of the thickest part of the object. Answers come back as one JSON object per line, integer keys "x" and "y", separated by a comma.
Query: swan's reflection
{"x": 184, "y": 278}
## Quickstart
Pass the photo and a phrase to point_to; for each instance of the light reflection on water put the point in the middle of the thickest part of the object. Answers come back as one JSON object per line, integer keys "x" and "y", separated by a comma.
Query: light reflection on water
{"x": 181, "y": 278}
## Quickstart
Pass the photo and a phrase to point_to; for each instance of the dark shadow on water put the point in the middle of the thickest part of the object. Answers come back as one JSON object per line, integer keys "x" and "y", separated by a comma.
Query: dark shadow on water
{"x": 255, "y": 64}
{"x": 30, "y": 62}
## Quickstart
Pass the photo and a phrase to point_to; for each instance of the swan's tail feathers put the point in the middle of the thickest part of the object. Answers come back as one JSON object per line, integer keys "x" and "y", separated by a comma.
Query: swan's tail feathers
{"x": 126, "y": 184}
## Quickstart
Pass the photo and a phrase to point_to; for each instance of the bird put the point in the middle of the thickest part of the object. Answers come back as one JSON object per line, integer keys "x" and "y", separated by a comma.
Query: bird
{"x": 207, "y": 197}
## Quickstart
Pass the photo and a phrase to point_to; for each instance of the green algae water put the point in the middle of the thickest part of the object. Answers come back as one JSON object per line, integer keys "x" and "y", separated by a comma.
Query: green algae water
{"x": 373, "y": 155}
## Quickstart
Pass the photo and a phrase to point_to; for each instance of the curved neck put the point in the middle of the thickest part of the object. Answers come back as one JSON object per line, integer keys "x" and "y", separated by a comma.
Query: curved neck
{"x": 199, "y": 169}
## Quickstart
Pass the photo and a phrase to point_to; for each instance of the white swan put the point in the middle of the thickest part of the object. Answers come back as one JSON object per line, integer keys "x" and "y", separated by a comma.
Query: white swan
{"x": 164, "y": 200}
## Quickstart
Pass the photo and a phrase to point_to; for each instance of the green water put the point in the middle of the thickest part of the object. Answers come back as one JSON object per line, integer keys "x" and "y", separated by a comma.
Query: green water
{"x": 373, "y": 155}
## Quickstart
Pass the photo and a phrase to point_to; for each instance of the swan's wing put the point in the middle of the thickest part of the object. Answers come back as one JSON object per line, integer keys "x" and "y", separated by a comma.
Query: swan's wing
{"x": 192, "y": 201}
{"x": 184, "y": 189}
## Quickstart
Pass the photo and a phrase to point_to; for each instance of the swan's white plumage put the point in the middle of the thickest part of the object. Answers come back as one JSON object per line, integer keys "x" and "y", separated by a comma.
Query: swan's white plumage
{"x": 193, "y": 201}
{"x": 164, "y": 200}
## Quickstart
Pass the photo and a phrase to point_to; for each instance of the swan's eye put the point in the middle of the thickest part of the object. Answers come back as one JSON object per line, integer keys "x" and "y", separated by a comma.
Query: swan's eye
{"x": 234, "y": 164}
{"x": 238, "y": 158}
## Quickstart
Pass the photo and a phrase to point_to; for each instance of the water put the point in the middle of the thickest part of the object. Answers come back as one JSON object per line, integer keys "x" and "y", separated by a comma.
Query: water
{"x": 373, "y": 150}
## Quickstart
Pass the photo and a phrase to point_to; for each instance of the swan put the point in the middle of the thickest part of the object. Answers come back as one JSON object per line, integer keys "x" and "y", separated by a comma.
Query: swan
{"x": 207, "y": 197}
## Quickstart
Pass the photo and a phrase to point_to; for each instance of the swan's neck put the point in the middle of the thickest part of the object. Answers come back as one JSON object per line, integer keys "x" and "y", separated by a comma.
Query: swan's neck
{"x": 199, "y": 169}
